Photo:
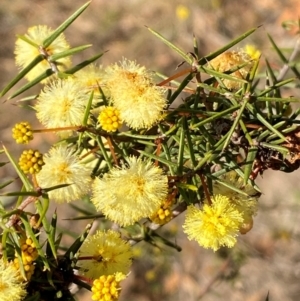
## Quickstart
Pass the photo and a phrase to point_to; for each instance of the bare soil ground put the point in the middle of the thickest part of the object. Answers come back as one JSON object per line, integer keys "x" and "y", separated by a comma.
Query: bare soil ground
{"x": 265, "y": 260}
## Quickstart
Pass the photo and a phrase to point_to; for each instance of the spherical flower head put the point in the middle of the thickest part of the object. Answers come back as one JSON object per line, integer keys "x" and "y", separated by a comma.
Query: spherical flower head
{"x": 63, "y": 166}
{"x": 246, "y": 205}
{"x": 109, "y": 119}
{"x": 133, "y": 93}
{"x": 107, "y": 288}
{"x": 22, "y": 132}
{"x": 12, "y": 288}
{"x": 215, "y": 225}
{"x": 104, "y": 253}
{"x": 25, "y": 52}
{"x": 62, "y": 104}
{"x": 228, "y": 60}
{"x": 31, "y": 161}
{"x": 127, "y": 194}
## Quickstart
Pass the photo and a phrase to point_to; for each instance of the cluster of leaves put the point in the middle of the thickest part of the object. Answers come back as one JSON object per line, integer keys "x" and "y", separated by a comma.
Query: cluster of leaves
{"x": 206, "y": 130}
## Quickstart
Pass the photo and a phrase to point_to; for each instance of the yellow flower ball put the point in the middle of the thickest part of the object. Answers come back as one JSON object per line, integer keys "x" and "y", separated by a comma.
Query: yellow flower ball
{"x": 126, "y": 195}
{"x": 140, "y": 102}
{"x": 104, "y": 253}
{"x": 214, "y": 225}
{"x": 109, "y": 119}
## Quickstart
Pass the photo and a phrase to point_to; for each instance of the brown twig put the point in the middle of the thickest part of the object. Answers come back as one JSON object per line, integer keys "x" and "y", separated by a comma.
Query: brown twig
{"x": 174, "y": 76}
{"x": 112, "y": 151}
{"x": 206, "y": 192}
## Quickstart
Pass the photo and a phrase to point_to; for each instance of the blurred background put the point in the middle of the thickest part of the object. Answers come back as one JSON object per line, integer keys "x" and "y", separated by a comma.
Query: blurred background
{"x": 267, "y": 259}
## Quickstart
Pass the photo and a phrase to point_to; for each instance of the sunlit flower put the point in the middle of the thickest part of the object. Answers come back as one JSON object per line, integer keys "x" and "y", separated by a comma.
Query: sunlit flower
{"x": 62, "y": 104}
{"x": 109, "y": 119}
{"x": 133, "y": 93}
{"x": 12, "y": 288}
{"x": 25, "y": 52}
{"x": 107, "y": 288}
{"x": 104, "y": 253}
{"x": 127, "y": 194}
{"x": 214, "y": 225}
{"x": 63, "y": 166}
{"x": 229, "y": 60}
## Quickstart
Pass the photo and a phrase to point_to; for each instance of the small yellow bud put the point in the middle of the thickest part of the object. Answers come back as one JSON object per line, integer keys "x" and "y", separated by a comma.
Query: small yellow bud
{"x": 22, "y": 132}
{"x": 164, "y": 213}
{"x": 109, "y": 119}
{"x": 109, "y": 289}
{"x": 31, "y": 161}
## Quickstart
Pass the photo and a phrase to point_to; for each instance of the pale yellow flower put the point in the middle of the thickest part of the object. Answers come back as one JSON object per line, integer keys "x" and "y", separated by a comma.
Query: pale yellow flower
{"x": 62, "y": 104}
{"x": 126, "y": 195}
{"x": 12, "y": 288}
{"x": 104, "y": 253}
{"x": 213, "y": 226}
{"x": 25, "y": 53}
{"x": 229, "y": 60}
{"x": 63, "y": 166}
{"x": 134, "y": 94}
